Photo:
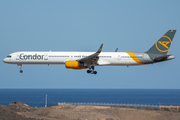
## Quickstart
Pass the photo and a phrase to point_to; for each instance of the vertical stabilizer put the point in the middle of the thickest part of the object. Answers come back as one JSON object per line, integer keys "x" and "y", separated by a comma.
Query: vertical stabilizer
{"x": 161, "y": 47}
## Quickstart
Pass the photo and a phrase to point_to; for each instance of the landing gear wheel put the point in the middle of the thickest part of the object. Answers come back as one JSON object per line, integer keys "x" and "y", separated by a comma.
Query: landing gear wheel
{"x": 88, "y": 71}
{"x": 91, "y": 70}
{"x": 21, "y": 71}
{"x": 95, "y": 72}
{"x": 20, "y": 67}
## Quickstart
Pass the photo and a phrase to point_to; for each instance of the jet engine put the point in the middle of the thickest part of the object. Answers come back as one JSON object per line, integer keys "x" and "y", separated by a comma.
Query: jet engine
{"x": 74, "y": 65}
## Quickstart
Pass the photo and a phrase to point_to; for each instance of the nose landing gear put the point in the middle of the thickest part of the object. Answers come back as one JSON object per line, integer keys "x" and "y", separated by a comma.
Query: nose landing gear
{"x": 21, "y": 71}
{"x": 20, "y": 67}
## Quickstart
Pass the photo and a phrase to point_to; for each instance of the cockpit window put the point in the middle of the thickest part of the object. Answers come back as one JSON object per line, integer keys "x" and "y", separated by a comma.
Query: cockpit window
{"x": 9, "y": 56}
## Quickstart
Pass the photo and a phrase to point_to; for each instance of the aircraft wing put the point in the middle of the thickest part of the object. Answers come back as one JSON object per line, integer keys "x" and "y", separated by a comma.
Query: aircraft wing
{"x": 92, "y": 59}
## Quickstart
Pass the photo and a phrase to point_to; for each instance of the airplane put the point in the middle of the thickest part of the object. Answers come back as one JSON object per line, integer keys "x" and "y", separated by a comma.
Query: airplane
{"x": 82, "y": 60}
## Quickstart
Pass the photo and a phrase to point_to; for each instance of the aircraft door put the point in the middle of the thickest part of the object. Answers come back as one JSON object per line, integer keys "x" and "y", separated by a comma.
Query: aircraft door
{"x": 46, "y": 56}
{"x": 17, "y": 56}
{"x": 145, "y": 57}
{"x": 119, "y": 57}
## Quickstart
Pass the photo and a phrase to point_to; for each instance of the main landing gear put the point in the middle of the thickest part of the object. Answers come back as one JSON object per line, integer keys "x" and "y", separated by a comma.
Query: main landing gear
{"x": 91, "y": 71}
{"x": 20, "y": 67}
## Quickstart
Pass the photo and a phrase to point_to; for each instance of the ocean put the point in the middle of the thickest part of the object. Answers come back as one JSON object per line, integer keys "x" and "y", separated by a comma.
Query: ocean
{"x": 36, "y": 97}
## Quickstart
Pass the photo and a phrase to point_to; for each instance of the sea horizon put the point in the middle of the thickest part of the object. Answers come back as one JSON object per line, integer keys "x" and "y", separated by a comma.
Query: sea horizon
{"x": 101, "y": 88}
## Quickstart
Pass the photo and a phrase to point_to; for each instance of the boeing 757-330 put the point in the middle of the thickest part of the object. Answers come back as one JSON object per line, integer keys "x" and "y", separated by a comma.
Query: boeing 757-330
{"x": 82, "y": 60}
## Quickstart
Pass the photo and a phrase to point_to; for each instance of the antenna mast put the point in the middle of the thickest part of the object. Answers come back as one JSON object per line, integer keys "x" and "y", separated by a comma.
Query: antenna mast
{"x": 46, "y": 101}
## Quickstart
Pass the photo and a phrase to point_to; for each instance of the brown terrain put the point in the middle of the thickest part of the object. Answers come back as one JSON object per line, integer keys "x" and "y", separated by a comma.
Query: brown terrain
{"x": 20, "y": 111}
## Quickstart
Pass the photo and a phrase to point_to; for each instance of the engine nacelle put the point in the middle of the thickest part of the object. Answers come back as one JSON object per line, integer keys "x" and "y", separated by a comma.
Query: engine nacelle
{"x": 74, "y": 65}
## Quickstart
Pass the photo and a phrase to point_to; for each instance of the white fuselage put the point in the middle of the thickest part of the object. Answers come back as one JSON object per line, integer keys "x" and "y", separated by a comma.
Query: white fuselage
{"x": 105, "y": 58}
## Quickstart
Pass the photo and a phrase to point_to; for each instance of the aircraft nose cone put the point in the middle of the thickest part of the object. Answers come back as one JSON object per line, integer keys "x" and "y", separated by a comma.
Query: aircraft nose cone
{"x": 4, "y": 60}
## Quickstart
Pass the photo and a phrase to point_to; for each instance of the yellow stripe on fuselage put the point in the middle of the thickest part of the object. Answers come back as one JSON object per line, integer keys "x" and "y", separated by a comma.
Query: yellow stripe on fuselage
{"x": 133, "y": 56}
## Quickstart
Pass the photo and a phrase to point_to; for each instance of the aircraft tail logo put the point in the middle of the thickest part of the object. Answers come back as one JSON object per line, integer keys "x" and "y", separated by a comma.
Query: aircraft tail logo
{"x": 163, "y": 46}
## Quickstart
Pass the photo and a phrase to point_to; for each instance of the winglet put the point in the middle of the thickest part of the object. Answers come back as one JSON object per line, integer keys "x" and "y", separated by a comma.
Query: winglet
{"x": 100, "y": 48}
{"x": 116, "y": 50}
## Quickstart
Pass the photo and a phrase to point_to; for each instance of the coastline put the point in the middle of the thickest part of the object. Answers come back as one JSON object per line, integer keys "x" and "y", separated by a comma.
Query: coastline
{"x": 18, "y": 111}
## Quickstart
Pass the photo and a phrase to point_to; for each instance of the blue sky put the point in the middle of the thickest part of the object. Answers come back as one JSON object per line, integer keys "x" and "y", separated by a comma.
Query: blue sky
{"x": 132, "y": 26}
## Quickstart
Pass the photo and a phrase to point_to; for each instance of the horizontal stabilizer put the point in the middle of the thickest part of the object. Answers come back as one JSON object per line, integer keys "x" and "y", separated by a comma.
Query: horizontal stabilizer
{"x": 161, "y": 57}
